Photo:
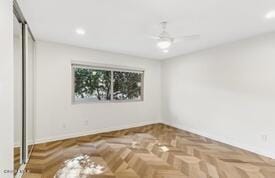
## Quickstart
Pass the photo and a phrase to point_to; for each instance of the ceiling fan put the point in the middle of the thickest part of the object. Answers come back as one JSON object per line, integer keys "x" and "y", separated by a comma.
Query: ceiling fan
{"x": 164, "y": 40}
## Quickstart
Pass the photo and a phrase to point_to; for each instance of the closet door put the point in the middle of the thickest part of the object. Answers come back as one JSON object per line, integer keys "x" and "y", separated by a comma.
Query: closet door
{"x": 24, "y": 92}
{"x": 18, "y": 92}
{"x": 30, "y": 61}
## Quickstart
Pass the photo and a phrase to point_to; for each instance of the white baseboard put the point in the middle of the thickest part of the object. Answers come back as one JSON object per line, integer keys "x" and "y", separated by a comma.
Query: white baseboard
{"x": 225, "y": 140}
{"x": 20, "y": 171}
{"x": 204, "y": 134}
{"x": 101, "y": 130}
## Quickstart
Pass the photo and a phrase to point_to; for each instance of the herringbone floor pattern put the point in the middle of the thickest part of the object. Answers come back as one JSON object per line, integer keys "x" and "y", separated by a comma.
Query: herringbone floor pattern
{"x": 152, "y": 151}
{"x": 16, "y": 158}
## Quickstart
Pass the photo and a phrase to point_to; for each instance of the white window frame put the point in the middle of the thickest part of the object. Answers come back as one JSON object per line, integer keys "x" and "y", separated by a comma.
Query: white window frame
{"x": 106, "y": 67}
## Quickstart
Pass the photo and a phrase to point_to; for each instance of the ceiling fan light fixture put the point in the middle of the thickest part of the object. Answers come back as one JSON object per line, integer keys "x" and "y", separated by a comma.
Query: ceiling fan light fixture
{"x": 164, "y": 44}
{"x": 270, "y": 15}
{"x": 80, "y": 31}
{"x": 165, "y": 51}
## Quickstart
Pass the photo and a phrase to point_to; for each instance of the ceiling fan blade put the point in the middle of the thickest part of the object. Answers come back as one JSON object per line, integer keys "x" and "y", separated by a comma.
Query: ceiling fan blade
{"x": 191, "y": 37}
{"x": 187, "y": 37}
{"x": 176, "y": 40}
{"x": 154, "y": 37}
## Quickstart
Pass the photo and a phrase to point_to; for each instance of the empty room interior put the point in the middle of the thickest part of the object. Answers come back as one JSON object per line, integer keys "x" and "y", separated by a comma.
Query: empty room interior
{"x": 137, "y": 89}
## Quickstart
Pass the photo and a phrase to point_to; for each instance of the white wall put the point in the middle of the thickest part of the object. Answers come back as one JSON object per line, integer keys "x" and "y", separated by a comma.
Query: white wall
{"x": 226, "y": 93}
{"x": 54, "y": 90}
{"x": 6, "y": 88}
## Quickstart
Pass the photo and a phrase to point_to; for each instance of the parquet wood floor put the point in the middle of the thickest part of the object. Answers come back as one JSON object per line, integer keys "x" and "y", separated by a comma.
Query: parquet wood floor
{"x": 152, "y": 151}
{"x": 16, "y": 158}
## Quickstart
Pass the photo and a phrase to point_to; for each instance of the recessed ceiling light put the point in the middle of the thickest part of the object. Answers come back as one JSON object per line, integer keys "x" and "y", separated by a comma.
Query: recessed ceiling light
{"x": 80, "y": 31}
{"x": 270, "y": 15}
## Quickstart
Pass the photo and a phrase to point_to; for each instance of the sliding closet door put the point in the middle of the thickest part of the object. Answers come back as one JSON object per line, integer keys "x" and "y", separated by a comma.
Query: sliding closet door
{"x": 30, "y": 61}
{"x": 18, "y": 92}
{"x": 24, "y": 65}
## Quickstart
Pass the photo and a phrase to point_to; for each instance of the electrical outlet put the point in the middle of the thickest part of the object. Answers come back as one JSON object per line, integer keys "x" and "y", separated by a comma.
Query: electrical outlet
{"x": 86, "y": 122}
{"x": 64, "y": 126}
{"x": 264, "y": 137}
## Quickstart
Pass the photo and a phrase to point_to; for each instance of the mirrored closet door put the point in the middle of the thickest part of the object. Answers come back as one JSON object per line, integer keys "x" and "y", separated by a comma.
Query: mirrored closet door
{"x": 18, "y": 92}
{"x": 30, "y": 90}
{"x": 24, "y": 90}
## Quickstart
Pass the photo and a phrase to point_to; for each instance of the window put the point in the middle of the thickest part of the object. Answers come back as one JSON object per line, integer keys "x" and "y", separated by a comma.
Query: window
{"x": 92, "y": 84}
{"x": 106, "y": 84}
{"x": 127, "y": 85}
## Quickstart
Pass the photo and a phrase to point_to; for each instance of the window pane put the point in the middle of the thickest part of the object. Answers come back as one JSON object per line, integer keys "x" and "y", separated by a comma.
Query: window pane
{"x": 92, "y": 84}
{"x": 127, "y": 85}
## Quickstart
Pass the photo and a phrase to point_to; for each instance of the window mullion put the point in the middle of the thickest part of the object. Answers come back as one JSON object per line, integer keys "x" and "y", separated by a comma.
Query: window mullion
{"x": 112, "y": 85}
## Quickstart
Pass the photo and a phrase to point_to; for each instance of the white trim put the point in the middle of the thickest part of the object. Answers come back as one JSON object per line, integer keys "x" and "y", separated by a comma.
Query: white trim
{"x": 85, "y": 133}
{"x": 225, "y": 140}
{"x": 112, "y": 86}
{"x": 106, "y": 66}
{"x": 204, "y": 134}
{"x": 20, "y": 171}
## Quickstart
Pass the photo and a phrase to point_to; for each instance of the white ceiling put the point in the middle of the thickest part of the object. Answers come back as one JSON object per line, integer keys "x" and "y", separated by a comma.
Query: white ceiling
{"x": 124, "y": 25}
